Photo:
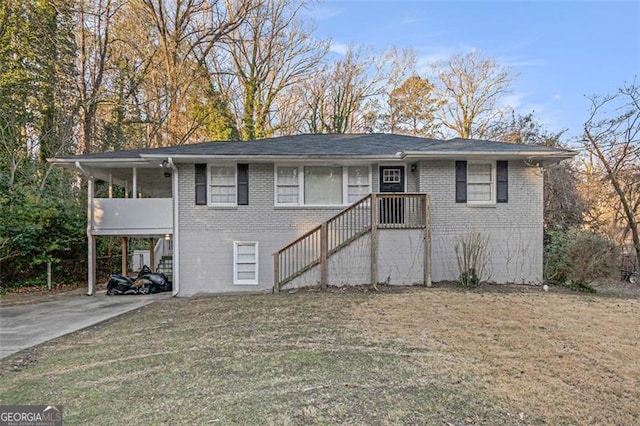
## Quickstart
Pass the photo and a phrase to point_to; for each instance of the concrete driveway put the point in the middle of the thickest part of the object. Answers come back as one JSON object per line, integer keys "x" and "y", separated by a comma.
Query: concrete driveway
{"x": 23, "y": 326}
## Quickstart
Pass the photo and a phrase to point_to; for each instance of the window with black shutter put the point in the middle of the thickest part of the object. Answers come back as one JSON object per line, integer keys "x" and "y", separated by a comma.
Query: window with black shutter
{"x": 243, "y": 184}
{"x": 475, "y": 182}
{"x": 461, "y": 181}
{"x": 502, "y": 184}
{"x": 229, "y": 184}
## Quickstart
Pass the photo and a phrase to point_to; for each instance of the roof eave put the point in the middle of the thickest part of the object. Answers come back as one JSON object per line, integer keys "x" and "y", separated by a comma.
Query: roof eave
{"x": 150, "y": 160}
{"x": 104, "y": 162}
{"x": 185, "y": 158}
{"x": 552, "y": 156}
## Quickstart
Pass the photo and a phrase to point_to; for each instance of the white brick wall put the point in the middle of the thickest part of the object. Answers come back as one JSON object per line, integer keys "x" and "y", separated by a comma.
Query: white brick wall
{"x": 514, "y": 229}
{"x": 207, "y": 233}
{"x": 400, "y": 261}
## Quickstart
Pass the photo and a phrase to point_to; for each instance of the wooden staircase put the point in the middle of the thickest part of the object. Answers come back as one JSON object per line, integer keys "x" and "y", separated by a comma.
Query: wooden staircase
{"x": 366, "y": 216}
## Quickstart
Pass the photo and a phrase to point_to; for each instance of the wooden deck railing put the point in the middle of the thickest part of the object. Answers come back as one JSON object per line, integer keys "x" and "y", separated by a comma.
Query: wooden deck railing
{"x": 387, "y": 211}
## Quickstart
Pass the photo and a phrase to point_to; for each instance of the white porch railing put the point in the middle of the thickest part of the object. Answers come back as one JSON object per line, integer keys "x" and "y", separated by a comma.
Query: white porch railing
{"x": 132, "y": 216}
{"x": 162, "y": 248}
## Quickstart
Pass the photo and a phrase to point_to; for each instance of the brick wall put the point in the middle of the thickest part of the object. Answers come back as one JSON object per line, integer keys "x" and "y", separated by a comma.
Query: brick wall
{"x": 514, "y": 229}
{"x": 207, "y": 233}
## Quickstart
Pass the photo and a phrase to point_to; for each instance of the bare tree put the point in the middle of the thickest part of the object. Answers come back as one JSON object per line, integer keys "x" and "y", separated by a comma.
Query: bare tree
{"x": 564, "y": 204}
{"x": 289, "y": 111}
{"x": 337, "y": 94}
{"x": 185, "y": 33}
{"x": 400, "y": 65}
{"x": 603, "y": 213}
{"x": 94, "y": 39}
{"x": 471, "y": 87}
{"x": 270, "y": 52}
{"x": 132, "y": 113}
{"x": 612, "y": 137}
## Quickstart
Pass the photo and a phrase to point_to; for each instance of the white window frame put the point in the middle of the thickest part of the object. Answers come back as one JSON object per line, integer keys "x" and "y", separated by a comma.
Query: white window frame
{"x": 384, "y": 177}
{"x": 236, "y": 262}
{"x": 301, "y": 194}
{"x": 342, "y": 186}
{"x": 209, "y": 185}
{"x": 300, "y": 184}
{"x": 492, "y": 184}
{"x": 345, "y": 181}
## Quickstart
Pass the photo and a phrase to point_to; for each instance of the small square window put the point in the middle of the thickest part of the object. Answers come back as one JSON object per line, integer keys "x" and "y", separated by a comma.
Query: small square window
{"x": 391, "y": 176}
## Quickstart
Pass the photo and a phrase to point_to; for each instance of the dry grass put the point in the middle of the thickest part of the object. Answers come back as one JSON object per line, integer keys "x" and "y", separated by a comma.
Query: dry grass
{"x": 564, "y": 358}
{"x": 412, "y": 356}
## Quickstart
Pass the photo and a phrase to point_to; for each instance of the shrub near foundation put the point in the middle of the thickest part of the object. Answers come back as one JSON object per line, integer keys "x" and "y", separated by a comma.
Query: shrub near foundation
{"x": 472, "y": 256}
{"x": 575, "y": 258}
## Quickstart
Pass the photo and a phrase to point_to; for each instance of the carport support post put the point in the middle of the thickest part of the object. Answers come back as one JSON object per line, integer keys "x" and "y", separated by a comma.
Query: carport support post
{"x": 134, "y": 185}
{"x": 152, "y": 255}
{"x": 123, "y": 245}
{"x": 91, "y": 242}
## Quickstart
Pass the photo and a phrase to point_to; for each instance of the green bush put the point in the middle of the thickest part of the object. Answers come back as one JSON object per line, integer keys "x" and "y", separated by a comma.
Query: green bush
{"x": 575, "y": 258}
{"x": 35, "y": 231}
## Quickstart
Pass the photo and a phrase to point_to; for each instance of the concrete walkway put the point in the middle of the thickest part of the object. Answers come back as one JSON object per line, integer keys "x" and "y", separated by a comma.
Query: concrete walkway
{"x": 23, "y": 326}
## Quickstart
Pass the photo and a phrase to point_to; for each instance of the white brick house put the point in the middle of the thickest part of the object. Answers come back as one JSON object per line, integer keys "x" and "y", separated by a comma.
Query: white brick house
{"x": 227, "y": 207}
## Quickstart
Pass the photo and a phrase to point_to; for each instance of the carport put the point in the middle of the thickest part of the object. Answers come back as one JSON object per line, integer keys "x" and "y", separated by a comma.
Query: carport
{"x": 146, "y": 208}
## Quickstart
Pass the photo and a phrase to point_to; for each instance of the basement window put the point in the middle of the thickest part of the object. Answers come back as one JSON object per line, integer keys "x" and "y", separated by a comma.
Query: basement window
{"x": 245, "y": 263}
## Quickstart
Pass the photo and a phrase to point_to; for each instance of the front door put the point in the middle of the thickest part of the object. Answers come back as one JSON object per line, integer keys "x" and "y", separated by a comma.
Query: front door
{"x": 391, "y": 208}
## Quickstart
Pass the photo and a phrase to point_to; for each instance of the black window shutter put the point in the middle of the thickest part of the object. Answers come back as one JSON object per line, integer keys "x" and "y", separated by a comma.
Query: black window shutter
{"x": 201, "y": 184}
{"x": 502, "y": 177}
{"x": 461, "y": 181}
{"x": 243, "y": 184}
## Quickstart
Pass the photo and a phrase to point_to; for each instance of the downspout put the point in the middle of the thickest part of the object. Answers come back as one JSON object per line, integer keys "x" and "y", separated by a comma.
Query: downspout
{"x": 176, "y": 227}
{"x": 134, "y": 184}
{"x": 91, "y": 245}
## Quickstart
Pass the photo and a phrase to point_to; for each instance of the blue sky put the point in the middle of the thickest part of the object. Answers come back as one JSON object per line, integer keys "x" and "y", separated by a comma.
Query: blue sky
{"x": 562, "y": 50}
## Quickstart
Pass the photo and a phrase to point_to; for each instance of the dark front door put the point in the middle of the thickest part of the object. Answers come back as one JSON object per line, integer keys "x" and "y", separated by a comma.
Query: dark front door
{"x": 391, "y": 208}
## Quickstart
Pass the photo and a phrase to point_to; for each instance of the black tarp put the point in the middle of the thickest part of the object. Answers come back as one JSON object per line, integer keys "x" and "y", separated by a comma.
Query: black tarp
{"x": 146, "y": 282}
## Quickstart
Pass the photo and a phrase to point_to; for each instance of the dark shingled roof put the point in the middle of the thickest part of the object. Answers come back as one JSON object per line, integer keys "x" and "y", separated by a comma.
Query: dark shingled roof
{"x": 327, "y": 145}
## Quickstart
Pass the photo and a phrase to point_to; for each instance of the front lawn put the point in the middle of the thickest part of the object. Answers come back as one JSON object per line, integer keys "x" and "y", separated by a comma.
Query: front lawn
{"x": 408, "y": 356}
